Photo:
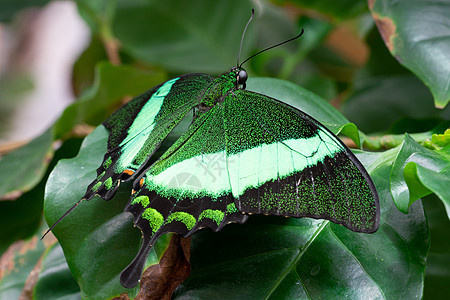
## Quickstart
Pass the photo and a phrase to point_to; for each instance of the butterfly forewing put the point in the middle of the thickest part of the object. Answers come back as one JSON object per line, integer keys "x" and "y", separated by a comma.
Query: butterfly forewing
{"x": 139, "y": 127}
{"x": 283, "y": 162}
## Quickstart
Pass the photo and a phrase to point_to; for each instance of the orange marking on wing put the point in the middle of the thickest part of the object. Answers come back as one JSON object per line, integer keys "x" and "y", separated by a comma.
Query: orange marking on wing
{"x": 128, "y": 172}
{"x": 141, "y": 182}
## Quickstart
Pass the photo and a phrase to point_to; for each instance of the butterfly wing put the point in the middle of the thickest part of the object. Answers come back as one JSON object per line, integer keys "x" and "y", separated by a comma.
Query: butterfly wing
{"x": 283, "y": 162}
{"x": 186, "y": 189}
{"x": 138, "y": 128}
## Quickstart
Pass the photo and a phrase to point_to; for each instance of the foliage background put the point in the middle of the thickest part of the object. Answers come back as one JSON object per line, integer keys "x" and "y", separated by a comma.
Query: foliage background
{"x": 383, "y": 64}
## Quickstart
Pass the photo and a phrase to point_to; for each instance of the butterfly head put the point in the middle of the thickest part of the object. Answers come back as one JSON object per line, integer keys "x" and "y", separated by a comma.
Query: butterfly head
{"x": 241, "y": 77}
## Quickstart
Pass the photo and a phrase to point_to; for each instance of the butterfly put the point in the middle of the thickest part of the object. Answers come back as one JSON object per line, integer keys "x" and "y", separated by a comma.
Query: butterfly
{"x": 243, "y": 153}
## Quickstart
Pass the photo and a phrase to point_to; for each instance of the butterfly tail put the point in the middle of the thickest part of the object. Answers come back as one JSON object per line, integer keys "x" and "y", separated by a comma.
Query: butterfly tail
{"x": 131, "y": 275}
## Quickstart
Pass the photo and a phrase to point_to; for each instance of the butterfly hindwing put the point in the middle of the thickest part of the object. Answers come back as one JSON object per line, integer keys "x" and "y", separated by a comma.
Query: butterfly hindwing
{"x": 186, "y": 189}
{"x": 283, "y": 162}
{"x": 138, "y": 128}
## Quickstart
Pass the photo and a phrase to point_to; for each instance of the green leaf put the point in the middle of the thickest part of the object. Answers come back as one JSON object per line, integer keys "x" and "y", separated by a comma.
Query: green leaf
{"x": 441, "y": 140}
{"x": 380, "y": 62}
{"x": 416, "y": 33}
{"x": 112, "y": 83}
{"x": 395, "y": 98}
{"x": 16, "y": 265}
{"x": 182, "y": 36}
{"x": 280, "y": 258}
{"x": 96, "y": 233}
{"x": 437, "y": 273}
{"x": 418, "y": 172}
{"x": 320, "y": 85}
{"x": 306, "y": 101}
{"x": 350, "y": 130}
{"x": 55, "y": 280}
{"x": 21, "y": 218}
{"x": 65, "y": 186}
{"x": 98, "y": 14}
{"x": 423, "y": 181}
{"x": 25, "y": 167}
{"x": 37, "y": 268}
{"x": 84, "y": 68}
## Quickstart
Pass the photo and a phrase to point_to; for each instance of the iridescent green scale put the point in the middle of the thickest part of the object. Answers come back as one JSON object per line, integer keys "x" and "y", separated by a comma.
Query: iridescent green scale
{"x": 243, "y": 153}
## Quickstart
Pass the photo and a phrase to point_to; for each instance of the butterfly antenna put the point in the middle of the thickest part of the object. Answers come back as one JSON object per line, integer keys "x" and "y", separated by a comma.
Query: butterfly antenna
{"x": 279, "y": 44}
{"x": 60, "y": 219}
{"x": 243, "y": 34}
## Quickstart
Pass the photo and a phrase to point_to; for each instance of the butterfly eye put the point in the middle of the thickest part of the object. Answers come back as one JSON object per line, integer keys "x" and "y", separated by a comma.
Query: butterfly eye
{"x": 242, "y": 77}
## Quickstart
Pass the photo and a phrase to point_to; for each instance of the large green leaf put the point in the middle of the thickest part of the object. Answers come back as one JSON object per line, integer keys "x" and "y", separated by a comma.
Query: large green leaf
{"x": 182, "y": 36}
{"x": 25, "y": 167}
{"x": 418, "y": 172}
{"x": 55, "y": 280}
{"x": 380, "y": 62}
{"x": 398, "y": 99}
{"x": 98, "y": 232}
{"x": 278, "y": 258}
{"x": 21, "y": 218}
{"x": 68, "y": 182}
{"x": 16, "y": 265}
{"x": 416, "y": 32}
{"x": 36, "y": 268}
